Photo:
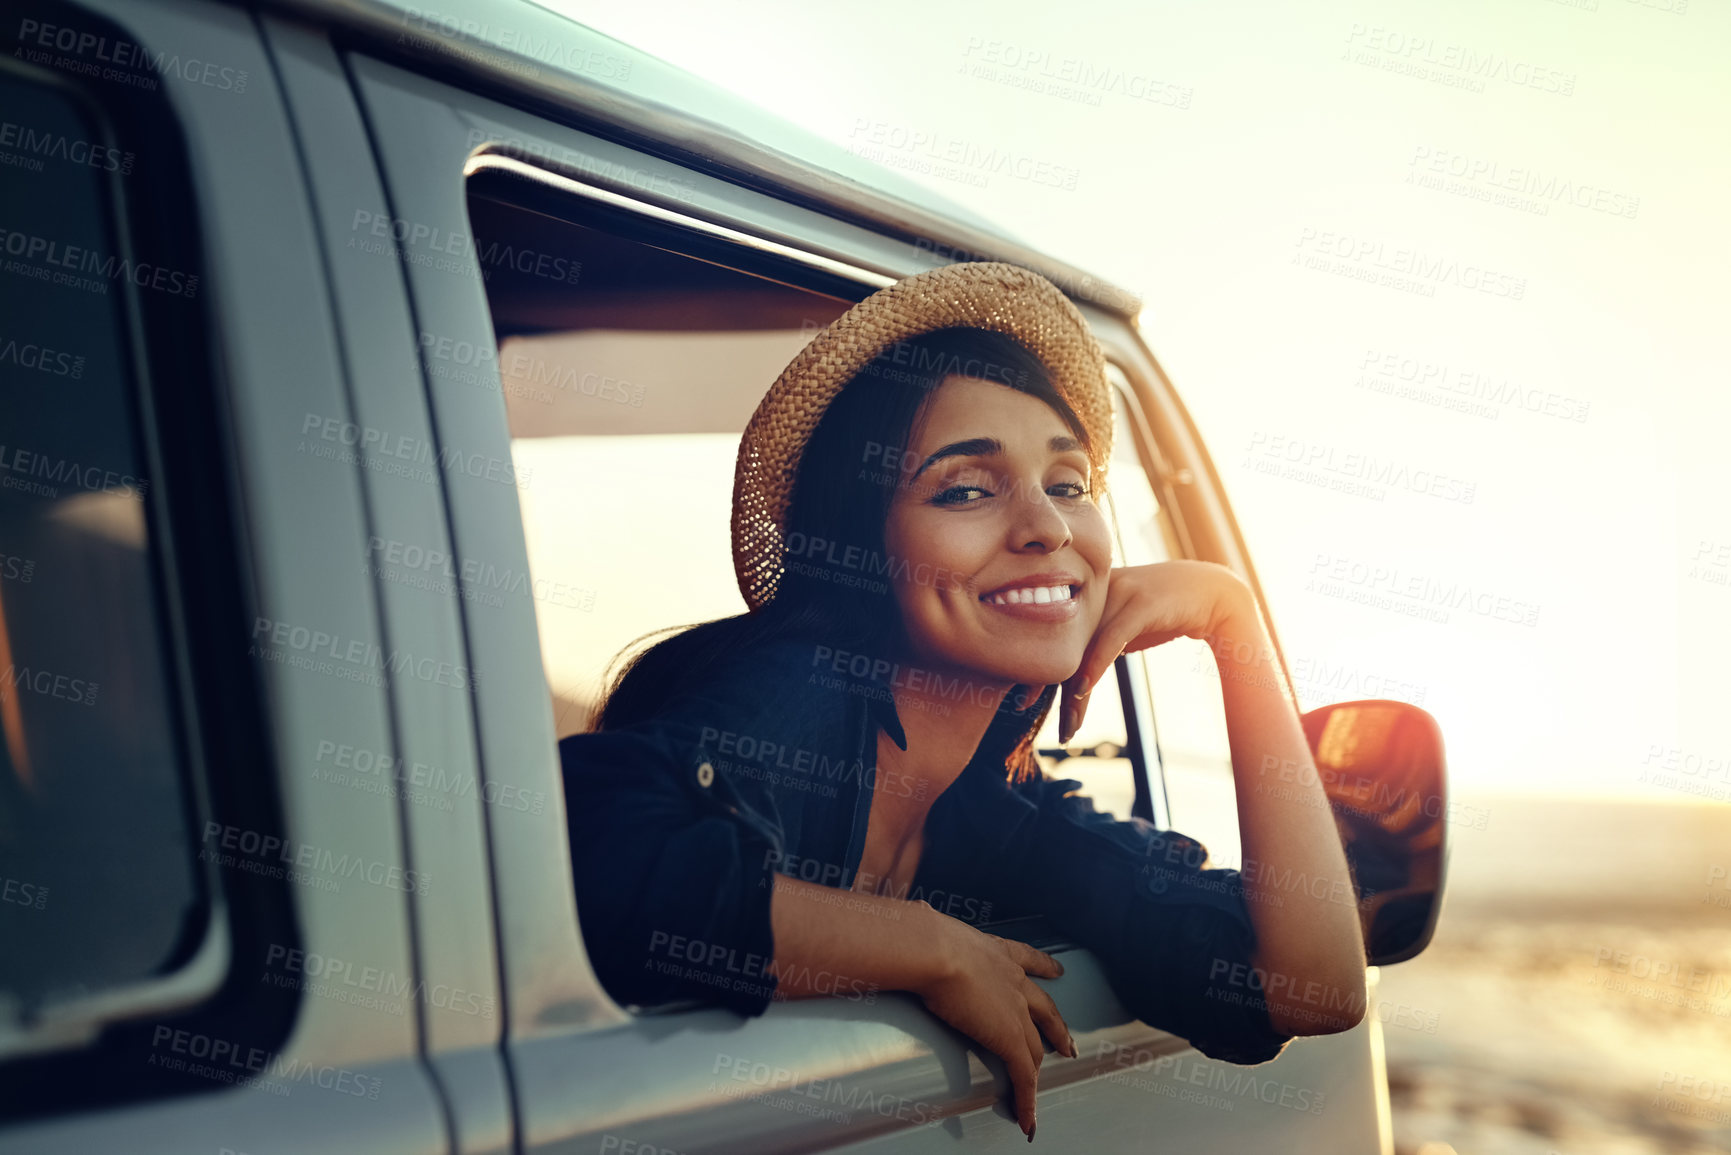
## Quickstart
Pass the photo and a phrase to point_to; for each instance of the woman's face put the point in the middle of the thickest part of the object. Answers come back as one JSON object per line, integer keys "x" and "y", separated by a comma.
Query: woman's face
{"x": 1006, "y": 555}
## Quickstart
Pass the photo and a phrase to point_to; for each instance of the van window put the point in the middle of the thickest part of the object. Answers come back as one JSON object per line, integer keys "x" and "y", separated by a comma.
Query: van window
{"x": 1188, "y": 709}
{"x": 627, "y": 387}
{"x": 99, "y": 881}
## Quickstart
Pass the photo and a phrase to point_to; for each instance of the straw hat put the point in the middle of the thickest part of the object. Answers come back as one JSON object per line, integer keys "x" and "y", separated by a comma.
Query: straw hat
{"x": 999, "y": 297}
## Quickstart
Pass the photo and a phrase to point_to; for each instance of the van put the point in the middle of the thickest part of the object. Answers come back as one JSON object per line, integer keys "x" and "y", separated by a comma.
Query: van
{"x": 348, "y": 346}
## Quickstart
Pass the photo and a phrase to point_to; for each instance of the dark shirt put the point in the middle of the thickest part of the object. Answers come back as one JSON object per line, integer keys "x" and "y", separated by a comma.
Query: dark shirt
{"x": 679, "y": 825}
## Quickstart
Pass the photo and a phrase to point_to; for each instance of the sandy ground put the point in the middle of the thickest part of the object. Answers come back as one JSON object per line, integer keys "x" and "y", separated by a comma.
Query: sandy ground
{"x": 1532, "y": 1035}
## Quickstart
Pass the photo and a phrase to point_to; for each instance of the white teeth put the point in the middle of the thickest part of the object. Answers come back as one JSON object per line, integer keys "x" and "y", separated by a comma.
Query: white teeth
{"x": 1033, "y": 595}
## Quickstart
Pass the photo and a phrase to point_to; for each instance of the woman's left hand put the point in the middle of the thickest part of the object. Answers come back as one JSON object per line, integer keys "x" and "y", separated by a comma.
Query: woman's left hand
{"x": 1148, "y": 605}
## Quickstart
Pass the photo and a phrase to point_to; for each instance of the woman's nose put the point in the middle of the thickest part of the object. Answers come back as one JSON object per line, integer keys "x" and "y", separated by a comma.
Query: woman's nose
{"x": 1038, "y": 524}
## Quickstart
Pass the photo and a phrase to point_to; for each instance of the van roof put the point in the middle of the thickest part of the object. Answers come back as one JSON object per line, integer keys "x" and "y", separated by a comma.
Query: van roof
{"x": 533, "y": 56}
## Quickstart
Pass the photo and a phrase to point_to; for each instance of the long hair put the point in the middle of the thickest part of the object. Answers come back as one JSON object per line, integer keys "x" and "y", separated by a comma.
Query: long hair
{"x": 847, "y": 477}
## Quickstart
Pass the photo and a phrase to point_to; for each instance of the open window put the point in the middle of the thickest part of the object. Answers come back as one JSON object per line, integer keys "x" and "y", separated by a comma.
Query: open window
{"x": 631, "y": 353}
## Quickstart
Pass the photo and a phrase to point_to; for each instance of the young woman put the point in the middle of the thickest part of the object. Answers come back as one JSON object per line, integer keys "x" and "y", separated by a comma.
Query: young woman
{"x": 825, "y": 795}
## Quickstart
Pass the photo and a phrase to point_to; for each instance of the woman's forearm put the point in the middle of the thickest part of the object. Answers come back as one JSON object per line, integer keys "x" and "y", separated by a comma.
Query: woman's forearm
{"x": 1297, "y": 887}
{"x": 836, "y": 942}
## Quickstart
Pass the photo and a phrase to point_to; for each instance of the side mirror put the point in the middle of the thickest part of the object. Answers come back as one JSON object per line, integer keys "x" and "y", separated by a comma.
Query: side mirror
{"x": 1381, "y": 765}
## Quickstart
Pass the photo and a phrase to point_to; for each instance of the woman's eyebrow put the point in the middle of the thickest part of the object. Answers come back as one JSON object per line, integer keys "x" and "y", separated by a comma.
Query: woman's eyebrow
{"x": 972, "y": 447}
{"x": 987, "y": 447}
{"x": 1063, "y": 444}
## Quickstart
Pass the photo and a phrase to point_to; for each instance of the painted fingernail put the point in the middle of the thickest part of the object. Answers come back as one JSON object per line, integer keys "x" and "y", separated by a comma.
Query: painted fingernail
{"x": 1031, "y": 1132}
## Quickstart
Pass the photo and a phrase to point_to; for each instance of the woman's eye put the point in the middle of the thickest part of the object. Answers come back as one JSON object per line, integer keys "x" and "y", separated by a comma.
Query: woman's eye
{"x": 958, "y": 495}
{"x": 1076, "y": 489}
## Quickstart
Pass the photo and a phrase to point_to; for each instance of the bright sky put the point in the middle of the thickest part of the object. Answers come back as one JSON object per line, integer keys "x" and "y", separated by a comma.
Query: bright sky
{"x": 1373, "y": 140}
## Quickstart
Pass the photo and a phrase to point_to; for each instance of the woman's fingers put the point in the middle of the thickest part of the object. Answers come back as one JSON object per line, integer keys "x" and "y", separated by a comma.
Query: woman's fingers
{"x": 1134, "y": 618}
{"x": 1031, "y": 1039}
{"x": 1034, "y": 962}
{"x": 1025, "y": 1083}
{"x": 1042, "y": 1010}
{"x": 1045, "y": 1015}
{"x": 1115, "y": 632}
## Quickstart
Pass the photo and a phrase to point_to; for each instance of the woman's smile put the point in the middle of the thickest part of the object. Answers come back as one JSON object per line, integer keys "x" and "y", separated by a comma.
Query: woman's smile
{"x": 1046, "y": 597}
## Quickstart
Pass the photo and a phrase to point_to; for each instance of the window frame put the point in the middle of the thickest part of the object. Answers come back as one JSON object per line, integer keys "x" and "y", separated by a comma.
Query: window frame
{"x": 67, "y": 1022}
{"x": 81, "y": 1053}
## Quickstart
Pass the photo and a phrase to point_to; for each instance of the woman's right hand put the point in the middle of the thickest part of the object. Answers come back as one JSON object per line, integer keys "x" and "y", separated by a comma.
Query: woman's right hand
{"x": 980, "y": 985}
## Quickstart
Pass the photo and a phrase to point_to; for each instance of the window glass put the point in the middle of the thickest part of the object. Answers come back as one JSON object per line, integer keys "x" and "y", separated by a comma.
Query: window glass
{"x": 1183, "y": 682}
{"x": 99, "y": 883}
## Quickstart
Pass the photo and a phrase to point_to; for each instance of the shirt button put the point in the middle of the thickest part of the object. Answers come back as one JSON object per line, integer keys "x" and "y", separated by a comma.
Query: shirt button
{"x": 705, "y": 775}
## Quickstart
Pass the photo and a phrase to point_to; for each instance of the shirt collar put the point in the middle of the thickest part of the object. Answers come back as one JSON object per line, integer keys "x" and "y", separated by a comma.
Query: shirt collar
{"x": 999, "y": 739}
